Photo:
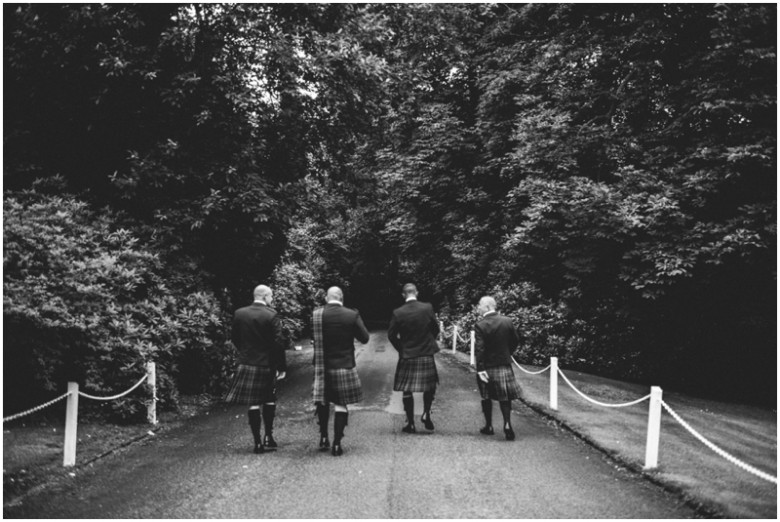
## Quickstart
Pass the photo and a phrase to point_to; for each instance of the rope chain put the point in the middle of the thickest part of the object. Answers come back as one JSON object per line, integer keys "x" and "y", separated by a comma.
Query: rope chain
{"x": 722, "y": 453}
{"x": 734, "y": 460}
{"x": 37, "y": 408}
{"x": 115, "y": 396}
{"x": 455, "y": 332}
{"x": 601, "y": 403}
{"x": 530, "y": 372}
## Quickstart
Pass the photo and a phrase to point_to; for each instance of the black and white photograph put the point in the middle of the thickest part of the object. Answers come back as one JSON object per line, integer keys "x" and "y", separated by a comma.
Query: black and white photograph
{"x": 417, "y": 260}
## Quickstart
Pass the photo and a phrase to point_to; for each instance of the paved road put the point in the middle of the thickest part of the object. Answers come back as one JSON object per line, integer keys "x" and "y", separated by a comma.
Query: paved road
{"x": 206, "y": 469}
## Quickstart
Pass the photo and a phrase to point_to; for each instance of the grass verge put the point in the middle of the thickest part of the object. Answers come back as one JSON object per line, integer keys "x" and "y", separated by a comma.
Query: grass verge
{"x": 32, "y": 446}
{"x": 686, "y": 466}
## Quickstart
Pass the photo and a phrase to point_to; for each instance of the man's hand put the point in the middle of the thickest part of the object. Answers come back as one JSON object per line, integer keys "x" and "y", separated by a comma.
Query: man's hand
{"x": 280, "y": 375}
{"x": 483, "y": 376}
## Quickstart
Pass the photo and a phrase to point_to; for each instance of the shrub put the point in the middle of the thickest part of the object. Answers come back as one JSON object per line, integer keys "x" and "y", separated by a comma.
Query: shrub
{"x": 546, "y": 328}
{"x": 294, "y": 291}
{"x": 84, "y": 301}
{"x": 297, "y": 281}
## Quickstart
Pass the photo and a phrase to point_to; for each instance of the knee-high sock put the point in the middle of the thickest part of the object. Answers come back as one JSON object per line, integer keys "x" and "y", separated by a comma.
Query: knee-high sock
{"x": 506, "y": 411}
{"x": 408, "y": 401}
{"x": 487, "y": 410}
{"x": 269, "y": 412}
{"x": 254, "y": 424}
{"x": 428, "y": 402}
{"x": 339, "y": 422}
{"x": 323, "y": 414}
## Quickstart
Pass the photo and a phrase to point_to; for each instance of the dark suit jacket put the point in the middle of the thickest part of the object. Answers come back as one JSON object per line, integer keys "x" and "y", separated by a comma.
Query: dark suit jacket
{"x": 413, "y": 330}
{"x": 340, "y": 327}
{"x": 257, "y": 334}
{"x": 495, "y": 340}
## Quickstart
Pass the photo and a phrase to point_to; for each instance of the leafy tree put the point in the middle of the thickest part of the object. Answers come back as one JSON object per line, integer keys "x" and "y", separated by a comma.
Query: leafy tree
{"x": 617, "y": 158}
{"x": 85, "y": 301}
{"x": 607, "y": 170}
{"x": 196, "y": 120}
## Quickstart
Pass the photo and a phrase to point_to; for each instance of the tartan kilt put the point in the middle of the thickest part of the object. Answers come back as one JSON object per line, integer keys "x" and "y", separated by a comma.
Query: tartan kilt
{"x": 501, "y": 385}
{"x": 416, "y": 375}
{"x": 252, "y": 385}
{"x": 342, "y": 386}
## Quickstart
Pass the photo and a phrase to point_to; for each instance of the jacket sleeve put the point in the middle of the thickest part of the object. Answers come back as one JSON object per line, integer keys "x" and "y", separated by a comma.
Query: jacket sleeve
{"x": 234, "y": 332}
{"x": 515, "y": 341}
{"x": 520, "y": 336}
{"x": 434, "y": 324}
{"x": 392, "y": 334}
{"x": 479, "y": 348}
{"x": 360, "y": 332}
{"x": 280, "y": 345}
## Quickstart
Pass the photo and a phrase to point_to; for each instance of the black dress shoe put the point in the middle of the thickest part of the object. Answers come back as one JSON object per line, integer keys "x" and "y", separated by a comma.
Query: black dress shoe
{"x": 269, "y": 442}
{"x": 324, "y": 444}
{"x": 509, "y": 434}
{"x": 427, "y": 421}
{"x": 259, "y": 448}
{"x": 409, "y": 428}
{"x": 487, "y": 430}
{"x": 336, "y": 451}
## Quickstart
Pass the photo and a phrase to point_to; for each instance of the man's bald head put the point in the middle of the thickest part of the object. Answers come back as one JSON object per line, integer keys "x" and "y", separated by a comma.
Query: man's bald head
{"x": 487, "y": 304}
{"x": 263, "y": 293}
{"x": 335, "y": 294}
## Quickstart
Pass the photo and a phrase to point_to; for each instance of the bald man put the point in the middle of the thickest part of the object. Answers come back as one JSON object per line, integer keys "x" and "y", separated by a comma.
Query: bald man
{"x": 257, "y": 336}
{"x": 412, "y": 332}
{"x": 495, "y": 341}
{"x": 336, "y": 380}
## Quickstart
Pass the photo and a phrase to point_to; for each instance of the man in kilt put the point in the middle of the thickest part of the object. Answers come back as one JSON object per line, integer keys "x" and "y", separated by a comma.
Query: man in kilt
{"x": 412, "y": 332}
{"x": 257, "y": 335}
{"x": 495, "y": 341}
{"x": 335, "y": 377}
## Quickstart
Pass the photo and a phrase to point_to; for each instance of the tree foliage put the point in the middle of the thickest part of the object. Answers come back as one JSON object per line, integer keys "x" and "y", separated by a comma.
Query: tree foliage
{"x": 619, "y": 159}
{"x": 85, "y": 301}
{"x": 608, "y": 171}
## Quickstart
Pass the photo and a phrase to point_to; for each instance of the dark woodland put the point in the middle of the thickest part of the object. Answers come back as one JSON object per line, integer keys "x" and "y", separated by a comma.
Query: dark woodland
{"x": 606, "y": 171}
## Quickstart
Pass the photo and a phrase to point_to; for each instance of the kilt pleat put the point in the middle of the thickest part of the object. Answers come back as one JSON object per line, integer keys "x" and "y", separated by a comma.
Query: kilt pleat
{"x": 342, "y": 386}
{"x": 416, "y": 375}
{"x": 252, "y": 385}
{"x": 501, "y": 385}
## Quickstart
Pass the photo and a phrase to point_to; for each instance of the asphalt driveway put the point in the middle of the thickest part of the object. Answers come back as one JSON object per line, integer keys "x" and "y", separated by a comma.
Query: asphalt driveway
{"x": 207, "y": 470}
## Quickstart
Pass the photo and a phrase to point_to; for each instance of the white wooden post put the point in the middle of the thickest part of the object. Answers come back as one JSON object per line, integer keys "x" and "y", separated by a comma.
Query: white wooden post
{"x": 441, "y": 329}
{"x": 473, "y": 360}
{"x": 71, "y": 425}
{"x": 454, "y": 338}
{"x": 554, "y": 383}
{"x": 653, "y": 428}
{"x": 151, "y": 381}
